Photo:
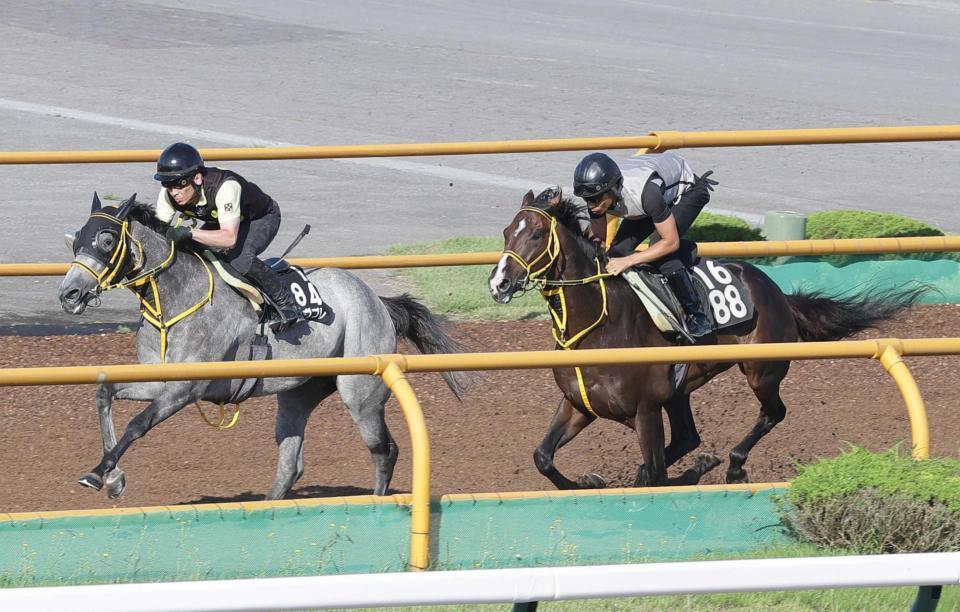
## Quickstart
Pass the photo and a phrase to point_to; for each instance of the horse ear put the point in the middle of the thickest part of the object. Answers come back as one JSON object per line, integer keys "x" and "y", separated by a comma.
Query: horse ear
{"x": 96, "y": 203}
{"x": 126, "y": 206}
{"x": 527, "y": 199}
{"x": 70, "y": 239}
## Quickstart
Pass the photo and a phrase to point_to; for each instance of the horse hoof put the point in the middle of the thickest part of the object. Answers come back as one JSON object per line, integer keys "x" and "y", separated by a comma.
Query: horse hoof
{"x": 91, "y": 480}
{"x": 116, "y": 483}
{"x": 592, "y": 481}
{"x": 737, "y": 477}
{"x": 705, "y": 462}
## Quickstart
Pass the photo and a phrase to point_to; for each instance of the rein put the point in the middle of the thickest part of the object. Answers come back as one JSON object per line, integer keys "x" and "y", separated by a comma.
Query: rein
{"x": 535, "y": 277}
{"x": 151, "y": 310}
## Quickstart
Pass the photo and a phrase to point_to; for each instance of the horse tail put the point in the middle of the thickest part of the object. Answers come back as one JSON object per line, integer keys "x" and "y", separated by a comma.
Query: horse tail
{"x": 415, "y": 322}
{"x": 822, "y": 317}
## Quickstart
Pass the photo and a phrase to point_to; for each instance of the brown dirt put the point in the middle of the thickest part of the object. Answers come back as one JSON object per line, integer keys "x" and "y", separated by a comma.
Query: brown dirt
{"x": 483, "y": 444}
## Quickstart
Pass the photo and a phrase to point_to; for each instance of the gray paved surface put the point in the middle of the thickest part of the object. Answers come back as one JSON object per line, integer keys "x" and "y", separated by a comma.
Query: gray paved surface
{"x": 85, "y": 74}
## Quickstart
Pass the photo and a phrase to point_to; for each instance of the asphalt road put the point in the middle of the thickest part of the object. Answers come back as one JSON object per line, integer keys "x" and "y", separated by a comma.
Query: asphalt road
{"x": 89, "y": 74}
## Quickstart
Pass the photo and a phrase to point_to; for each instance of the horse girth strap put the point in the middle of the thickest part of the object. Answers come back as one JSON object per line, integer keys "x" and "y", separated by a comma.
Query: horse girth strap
{"x": 153, "y": 313}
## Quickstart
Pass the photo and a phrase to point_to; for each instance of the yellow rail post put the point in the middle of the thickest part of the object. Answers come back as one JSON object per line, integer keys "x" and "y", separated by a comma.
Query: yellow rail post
{"x": 890, "y": 355}
{"x": 394, "y": 377}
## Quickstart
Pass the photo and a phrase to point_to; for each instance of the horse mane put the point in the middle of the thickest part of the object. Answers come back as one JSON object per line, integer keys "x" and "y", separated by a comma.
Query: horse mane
{"x": 144, "y": 214}
{"x": 567, "y": 214}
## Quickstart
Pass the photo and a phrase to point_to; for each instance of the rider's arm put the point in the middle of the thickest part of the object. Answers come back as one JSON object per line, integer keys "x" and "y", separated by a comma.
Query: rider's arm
{"x": 665, "y": 224}
{"x": 228, "y": 216}
{"x": 165, "y": 210}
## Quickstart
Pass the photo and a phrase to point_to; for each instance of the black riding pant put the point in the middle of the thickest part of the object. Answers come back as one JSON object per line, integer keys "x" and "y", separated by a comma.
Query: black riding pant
{"x": 633, "y": 232}
{"x": 253, "y": 237}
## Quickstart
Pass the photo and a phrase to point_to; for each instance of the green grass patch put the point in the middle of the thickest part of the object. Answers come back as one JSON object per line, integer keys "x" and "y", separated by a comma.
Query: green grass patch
{"x": 872, "y": 503}
{"x": 462, "y": 292}
{"x": 865, "y": 224}
{"x": 893, "y": 472}
{"x": 709, "y": 227}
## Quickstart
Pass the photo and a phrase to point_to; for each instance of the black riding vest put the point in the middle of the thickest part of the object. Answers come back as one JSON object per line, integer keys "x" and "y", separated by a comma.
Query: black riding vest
{"x": 254, "y": 203}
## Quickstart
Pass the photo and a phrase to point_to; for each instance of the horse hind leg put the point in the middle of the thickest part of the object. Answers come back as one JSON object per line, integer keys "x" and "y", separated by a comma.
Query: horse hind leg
{"x": 294, "y": 408}
{"x": 764, "y": 378}
{"x": 567, "y": 423}
{"x": 365, "y": 396}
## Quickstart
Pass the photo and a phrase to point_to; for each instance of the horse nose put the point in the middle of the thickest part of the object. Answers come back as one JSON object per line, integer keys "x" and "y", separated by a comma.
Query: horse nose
{"x": 70, "y": 296}
{"x": 504, "y": 284}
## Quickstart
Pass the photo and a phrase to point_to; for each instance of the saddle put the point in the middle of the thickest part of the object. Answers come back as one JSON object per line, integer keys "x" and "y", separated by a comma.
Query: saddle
{"x": 728, "y": 298}
{"x": 304, "y": 291}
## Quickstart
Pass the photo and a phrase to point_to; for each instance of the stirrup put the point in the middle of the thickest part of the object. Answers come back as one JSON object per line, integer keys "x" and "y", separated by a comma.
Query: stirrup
{"x": 705, "y": 328}
{"x": 279, "y": 325}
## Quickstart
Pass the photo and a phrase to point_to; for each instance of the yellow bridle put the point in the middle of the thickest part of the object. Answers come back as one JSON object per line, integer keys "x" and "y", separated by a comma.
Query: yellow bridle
{"x": 551, "y": 251}
{"x": 152, "y": 312}
{"x": 559, "y": 330}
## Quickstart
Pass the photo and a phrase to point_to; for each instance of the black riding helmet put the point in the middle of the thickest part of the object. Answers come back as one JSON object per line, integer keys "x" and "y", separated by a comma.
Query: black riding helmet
{"x": 595, "y": 174}
{"x": 177, "y": 161}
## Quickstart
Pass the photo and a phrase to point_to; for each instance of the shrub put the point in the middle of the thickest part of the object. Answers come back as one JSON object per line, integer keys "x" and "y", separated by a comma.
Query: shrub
{"x": 872, "y": 503}
{"x": 710, "y": 227}
{"x": 864, "y": 224}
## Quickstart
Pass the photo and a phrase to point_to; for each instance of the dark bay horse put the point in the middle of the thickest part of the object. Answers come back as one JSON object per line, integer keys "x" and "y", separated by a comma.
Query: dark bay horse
{"x": 201, "y": 318}
{"x": 543, "y": 246}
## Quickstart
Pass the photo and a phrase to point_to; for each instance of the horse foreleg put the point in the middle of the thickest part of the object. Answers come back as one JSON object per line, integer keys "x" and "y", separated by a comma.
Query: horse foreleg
{"x": 155, "y": 413}
{"x": 566, "y": 424}
{"x": 294, "y": 408}
{"x": 764, "y": 378}
{"x": 115, "y": 480}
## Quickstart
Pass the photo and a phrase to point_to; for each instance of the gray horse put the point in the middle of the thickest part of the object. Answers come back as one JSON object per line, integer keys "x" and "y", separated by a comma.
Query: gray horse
{"x": 190, "y": 314}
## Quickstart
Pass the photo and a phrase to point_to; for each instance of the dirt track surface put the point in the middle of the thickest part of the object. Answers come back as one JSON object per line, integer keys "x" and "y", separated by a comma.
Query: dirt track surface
{"x": 485, "y": 443}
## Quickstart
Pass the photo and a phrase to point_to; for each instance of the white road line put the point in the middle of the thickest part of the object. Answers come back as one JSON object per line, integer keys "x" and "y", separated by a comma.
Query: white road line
{"x": 238, "y": 140}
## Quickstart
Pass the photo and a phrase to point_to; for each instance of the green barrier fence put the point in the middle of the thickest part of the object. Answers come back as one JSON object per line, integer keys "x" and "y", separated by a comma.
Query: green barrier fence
{"x": 942, "y": 276}
{"x": 363, "y": 535}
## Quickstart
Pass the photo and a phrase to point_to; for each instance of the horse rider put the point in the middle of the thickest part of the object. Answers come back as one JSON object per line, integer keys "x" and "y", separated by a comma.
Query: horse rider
{"x": 239, "y": 219}
{"x": 656, "y": 195}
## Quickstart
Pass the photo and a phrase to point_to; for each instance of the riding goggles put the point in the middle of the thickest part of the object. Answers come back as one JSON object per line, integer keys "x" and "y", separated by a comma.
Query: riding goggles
{"x": 183, "y": 181}
{"x": 589, "y": 190}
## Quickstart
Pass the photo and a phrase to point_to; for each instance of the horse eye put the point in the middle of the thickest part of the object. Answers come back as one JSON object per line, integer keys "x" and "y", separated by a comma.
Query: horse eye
{"x": 537, "y": 234}
{"x": 106, "y": 241}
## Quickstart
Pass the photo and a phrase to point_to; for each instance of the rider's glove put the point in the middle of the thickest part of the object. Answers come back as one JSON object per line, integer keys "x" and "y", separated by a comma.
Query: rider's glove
{"x": 178, "y": 234}
{"x": 707, "y": 182}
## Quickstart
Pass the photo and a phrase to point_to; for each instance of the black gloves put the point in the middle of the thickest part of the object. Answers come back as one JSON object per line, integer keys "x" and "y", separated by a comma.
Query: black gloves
{"x": 178, "y": 234}
{"x": 707, "y": 182}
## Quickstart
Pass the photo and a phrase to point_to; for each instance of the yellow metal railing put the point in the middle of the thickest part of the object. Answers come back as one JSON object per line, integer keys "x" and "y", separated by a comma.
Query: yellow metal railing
{"x": 392, "y": 368}
{"x": 864, "y": 246}
{"x": 654, "y": 141}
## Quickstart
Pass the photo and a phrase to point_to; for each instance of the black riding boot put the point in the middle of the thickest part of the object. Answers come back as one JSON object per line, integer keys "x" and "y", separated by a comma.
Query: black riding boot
{"x": 278, "y": 292}
{"x": 698, "y": 323}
